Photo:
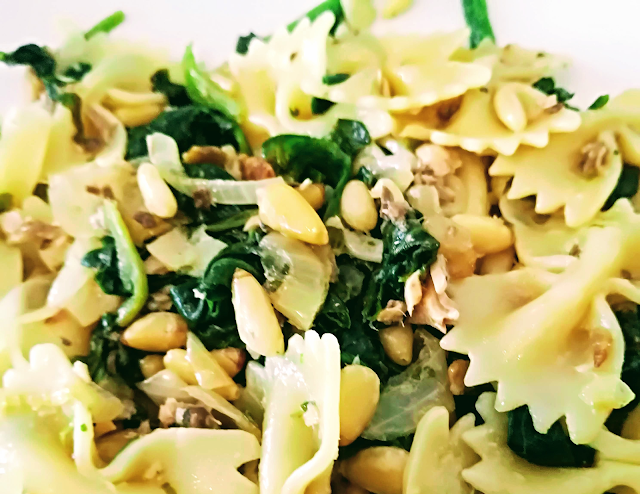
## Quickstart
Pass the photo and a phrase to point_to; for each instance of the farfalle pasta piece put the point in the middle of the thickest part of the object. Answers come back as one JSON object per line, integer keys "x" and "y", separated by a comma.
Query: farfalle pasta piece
{"x": 398, "y": 73}
{"x": 497, "y": 119}
{"x": 579, "y": 170}
{"x": 501, "y": 470}
{"x": 439, "y": 455}
{"x": 536, "y": 334}
{"x": 273, "y": 78}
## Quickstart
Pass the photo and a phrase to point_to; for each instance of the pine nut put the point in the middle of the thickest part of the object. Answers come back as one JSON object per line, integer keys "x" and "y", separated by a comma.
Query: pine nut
{"x": 156, "y": 194}
{"x": 256, "y": 320}
{"x": 488, "y": 234}
{"x": 156, "y": 332}
{"x": 283, "y": 208}
{"x": 230, "y": 359}
{"x": 151, "y": 365}
{"x": 133, "y": 116}
{"x": 313, "y": 194}
{"x": 397, "y": 342}
{"x": 176, "y": 361}
{"x": 456, "y": 372}
{"x": 509, "y": 108}
{"x": 359, "y": 395}
{"x": 379, "y": 469}
{"x": 357, "y": 207}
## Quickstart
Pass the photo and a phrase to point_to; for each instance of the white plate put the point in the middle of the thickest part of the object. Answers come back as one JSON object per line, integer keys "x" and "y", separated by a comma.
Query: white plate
{"x": 602, "y": 37}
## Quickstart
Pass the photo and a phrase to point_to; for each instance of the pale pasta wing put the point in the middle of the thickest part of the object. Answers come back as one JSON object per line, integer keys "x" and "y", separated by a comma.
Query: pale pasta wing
{"x": 474, "y": 125}
{"x": 578, "y": 171}
{"x": 533, "y": 333}
{"x": 438, "y": 455}
{"x": 301, "y": 422}
{"x": 501, "y": 470}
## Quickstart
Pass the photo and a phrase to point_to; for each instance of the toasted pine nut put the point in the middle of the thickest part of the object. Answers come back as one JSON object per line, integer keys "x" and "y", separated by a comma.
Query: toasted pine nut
{"x": 151, "y": 365}
{"x": 256, "y": 320}
{"x": 488, "y": 234}
{"x": 156, "y": 332}
{"x": 357, "y": 207}
{"x": 133, "y": 116}
{"x": 456, "y": 372}
{"x": 176, "y": 361}
{"x": 285, "y": 210}
{"x": 509, "y": 108}
{"x": 156, "y": 194}
{"x": 397, "y": 342}
{"x": 500, "y": 262}
{"x": 379, "y": 469}
{"x": 313, "y": 194}
{"x": 359, "y": 395}
{"x": 230, "y": 359}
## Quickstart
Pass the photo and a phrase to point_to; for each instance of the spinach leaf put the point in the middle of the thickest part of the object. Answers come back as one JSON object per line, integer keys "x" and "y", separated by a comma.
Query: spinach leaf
{"x": 548, "y": 86}
{"x": 320, "y": 106}
{"x": 205, "y": 303}
{"x": 175, "y": 93}
{"x": 189, "y": 125}
{"x": 236, "y": 220}
{"x": 328, "y": 5}
{"x": 553, "y": 449}
{"x": 341, "y": 315}
{"x": 477, "y": 17}
{"x": 130, "y": 265}
{"x": 629, "y": 320}
{"x": 110, "y": 358}
{"x": 242, "y": 45}
{"x": 407, "y": 248}
{"x": 105, "y": 261}
{"x": 627, "y": 185}
{"x": 75, "y": 72}
{"x": 346, "y": 452}
{"x": 366, "y": 176}
{"x": 204, "y": 91}
{"x": 599, "y": 102}
{"x": 351, "y": 136}
{"x": 106, "y": 25}
{"x": 34, "y": 56}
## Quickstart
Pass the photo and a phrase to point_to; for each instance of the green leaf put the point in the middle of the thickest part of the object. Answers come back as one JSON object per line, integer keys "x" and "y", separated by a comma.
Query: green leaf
{"x": 204, "y": 91}
{"x": 553, "y": 449}
{"x": 333, "y": 79}
{"x": 242, "y": 45}
{"x": 235, "y": 221}
{"x": 366, "y": 176}
{"x": 320, "y": 106}
{"x": 328, "y": 5}
{"x": 477, "y": 17}
{"x": 599, "y": 102}
{"x": 407, "y": 248}
{"x": 548, "y": 86}
{"x": 34, "y": 56}
{"x": 106, "y": 25}
{"x": 626, "y": 187}
{"x": 175, "y": 93}
{"x": 130, "y": 265}
{"x": 189, "y": 125}
{"x": 105, "y": 261}
{"x": 351, "y": 135}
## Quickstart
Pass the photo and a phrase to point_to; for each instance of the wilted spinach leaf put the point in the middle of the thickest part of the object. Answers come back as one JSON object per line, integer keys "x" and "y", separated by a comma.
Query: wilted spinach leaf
{"x": 328, "y": 5}
{"x": 206, "y": 302}
{"x": 242, "y": 45}
{"x": 110, "y": 358}
{"x": 553, "y": 449}
{"x": 105, "y": 261}
{"x": 320, "y": 106}
{"x": 175, "y": 93}
{"x": 407, "y": 248}
{"x": 351, "y": 136}
{"x": 189, "y": 125}
{"x": 599, "y": 102}
{"x": 627, "y": 185}
{"x": 629, "y": 320}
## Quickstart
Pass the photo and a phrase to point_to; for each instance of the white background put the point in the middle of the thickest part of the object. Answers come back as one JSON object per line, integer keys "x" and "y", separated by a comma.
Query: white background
{"x": 601, "y": 36}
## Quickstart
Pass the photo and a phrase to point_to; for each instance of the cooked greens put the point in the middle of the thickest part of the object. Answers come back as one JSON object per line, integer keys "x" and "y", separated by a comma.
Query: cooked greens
{"x": 477, "y": 16}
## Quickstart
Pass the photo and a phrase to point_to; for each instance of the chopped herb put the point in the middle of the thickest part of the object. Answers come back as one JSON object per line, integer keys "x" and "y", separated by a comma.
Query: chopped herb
{"x": 333, "y": 79}
{"x": 320, "y": 106}
{"x": 477, "y": 17}
{"x": 328, "y": 5}
{"x": 242, "y": 45}
{"x": 84, "y": 428}
{"x": 175, "y": 93}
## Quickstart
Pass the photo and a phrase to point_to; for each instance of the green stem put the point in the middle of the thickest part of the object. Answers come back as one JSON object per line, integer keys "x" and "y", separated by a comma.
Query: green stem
{"x": 106, "y": 25}
{"x": 477, "y": 17}
{"x": 130, "y": 265}
{"x": 235, "y": 221}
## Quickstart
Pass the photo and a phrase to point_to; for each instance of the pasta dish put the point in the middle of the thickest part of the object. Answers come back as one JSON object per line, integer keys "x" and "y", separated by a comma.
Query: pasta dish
{"x": 337, "y": 263}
